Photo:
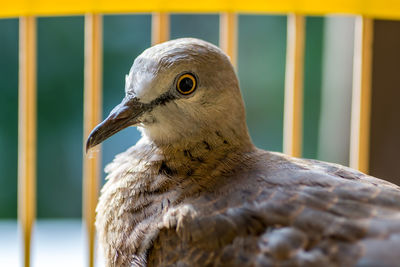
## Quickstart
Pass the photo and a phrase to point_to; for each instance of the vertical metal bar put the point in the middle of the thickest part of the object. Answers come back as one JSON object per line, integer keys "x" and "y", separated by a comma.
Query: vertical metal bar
{"x": 159, "y": 28}
{"x": 27, "y": 132}
{"x": 361, "y": 97}
{"x": 228, "y": 35}
{"x": 92, "y": 116}
{"x": 293, "y": 111}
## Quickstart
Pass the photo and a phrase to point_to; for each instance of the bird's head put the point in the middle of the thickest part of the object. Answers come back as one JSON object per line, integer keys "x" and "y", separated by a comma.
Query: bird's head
{"x": 177, "y": 91}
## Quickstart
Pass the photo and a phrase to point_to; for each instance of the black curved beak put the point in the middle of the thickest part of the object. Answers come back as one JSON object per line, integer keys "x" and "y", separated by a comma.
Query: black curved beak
{"x": 124, "y": 115}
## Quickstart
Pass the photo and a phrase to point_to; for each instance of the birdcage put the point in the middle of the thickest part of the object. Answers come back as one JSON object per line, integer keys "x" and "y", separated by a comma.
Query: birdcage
{"x": 365, "y": 13}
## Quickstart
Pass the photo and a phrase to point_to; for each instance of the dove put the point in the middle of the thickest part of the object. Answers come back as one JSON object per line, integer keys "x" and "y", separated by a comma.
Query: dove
{"x": 195, "y": 191}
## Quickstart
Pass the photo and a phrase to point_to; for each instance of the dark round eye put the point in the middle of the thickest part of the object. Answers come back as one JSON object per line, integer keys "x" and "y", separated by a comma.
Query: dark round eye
{"x": 186, "y": 84}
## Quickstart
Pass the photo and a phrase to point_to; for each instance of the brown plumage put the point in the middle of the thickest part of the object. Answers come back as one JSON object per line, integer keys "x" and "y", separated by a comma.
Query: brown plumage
{"x": 194, "y": 191}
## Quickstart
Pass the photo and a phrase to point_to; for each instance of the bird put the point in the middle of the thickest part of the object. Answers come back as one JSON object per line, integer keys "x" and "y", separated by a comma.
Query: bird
{"x": 195, "y": 190}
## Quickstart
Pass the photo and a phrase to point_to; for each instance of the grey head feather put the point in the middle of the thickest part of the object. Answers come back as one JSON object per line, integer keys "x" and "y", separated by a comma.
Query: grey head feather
{"x": 168, "y": 116}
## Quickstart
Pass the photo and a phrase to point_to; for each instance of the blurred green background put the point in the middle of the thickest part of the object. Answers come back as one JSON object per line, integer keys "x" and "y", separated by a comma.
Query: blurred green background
{"x": 261, "y": 67}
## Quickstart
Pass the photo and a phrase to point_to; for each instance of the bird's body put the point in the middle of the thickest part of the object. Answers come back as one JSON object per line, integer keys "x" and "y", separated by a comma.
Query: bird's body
{"x": 194, "y": 191}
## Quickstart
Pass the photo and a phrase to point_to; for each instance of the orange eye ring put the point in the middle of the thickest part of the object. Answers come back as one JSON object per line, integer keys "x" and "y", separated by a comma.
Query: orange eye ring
{"x": 186, "y": 84}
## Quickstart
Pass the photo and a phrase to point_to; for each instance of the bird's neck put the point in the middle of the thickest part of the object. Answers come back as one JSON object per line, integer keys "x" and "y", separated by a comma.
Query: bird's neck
{"x": 198, "y": 157}
{"x": 203, "y": 145}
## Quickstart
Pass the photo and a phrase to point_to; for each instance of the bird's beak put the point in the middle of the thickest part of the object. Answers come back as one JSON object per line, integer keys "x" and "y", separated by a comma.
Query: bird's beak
{"x": 124, "y": 115}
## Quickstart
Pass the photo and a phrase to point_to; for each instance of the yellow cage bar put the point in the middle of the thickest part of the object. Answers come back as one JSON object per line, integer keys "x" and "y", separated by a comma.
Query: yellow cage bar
{"x": 361, "y": 97}
{"x": 159, "y": 27}
{"x": 228, "y": 35}
{"x": 293, "y": 110}
{"x": 92, "y": 116}
{"x": 389, "y": 9}
{"x": 27, "y": 132}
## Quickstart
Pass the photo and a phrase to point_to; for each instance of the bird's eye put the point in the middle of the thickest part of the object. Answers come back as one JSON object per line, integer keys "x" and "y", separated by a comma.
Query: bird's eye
{"x": 186, "y": 84}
